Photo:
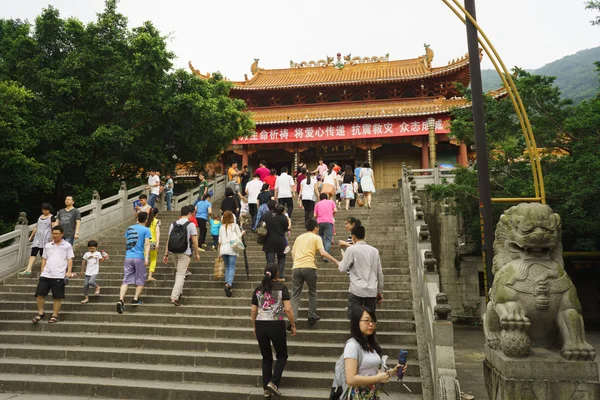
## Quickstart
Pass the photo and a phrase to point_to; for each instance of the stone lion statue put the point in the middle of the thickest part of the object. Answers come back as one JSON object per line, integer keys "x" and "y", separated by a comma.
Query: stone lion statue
{"x": 532, "y": 300}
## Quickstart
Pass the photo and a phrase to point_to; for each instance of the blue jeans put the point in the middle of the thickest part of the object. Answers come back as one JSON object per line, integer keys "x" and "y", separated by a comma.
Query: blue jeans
{"x": 168, "y": 198}
{"x": 229, "y": 268}
{"x": 326, "y": 233}
{"x": 152, "y": 199}
{"x": 261, "y": 210}
{"x": 69, "y": 239}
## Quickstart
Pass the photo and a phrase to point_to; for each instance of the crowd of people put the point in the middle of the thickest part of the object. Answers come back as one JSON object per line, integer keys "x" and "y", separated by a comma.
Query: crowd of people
{"x": 260, "y": 200}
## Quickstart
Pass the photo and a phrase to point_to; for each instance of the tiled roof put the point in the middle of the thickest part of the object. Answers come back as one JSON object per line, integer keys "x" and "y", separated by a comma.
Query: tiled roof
{"x": 363, "y": 73}
{"x": 354, "y": 110}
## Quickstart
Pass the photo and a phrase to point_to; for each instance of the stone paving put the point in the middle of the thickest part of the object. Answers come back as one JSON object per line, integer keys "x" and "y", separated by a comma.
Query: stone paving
{"x": 468, "y": 351}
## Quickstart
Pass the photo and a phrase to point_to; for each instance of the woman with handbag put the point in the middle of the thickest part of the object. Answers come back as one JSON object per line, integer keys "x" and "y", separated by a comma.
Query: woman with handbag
{"x": 270, "y": 300}
{"x": 363, "y": 379}
{"x": 230, "y": 242}
{"x": 275, "y": 242}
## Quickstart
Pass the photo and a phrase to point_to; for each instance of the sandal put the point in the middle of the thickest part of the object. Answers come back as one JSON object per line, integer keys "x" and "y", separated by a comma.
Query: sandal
{"x": 38, "y": 318}
{"x": 25, "y": 273}
{"x": 97, "y": 291}
{"x": 53, "y": 319}
{"x": 85, "y": 301}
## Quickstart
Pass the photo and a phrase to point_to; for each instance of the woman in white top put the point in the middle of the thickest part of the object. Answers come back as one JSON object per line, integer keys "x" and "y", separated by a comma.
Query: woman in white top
{"x": 229, "y": 232}
{"x": 330, "y": 182}
{"x": 362, "y": 379}
{"x": 366, "y": 182}
{"x": 309, "y": 193}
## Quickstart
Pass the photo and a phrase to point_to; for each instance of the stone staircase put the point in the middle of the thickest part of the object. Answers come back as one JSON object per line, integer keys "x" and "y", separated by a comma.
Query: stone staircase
{"x": 204, "y": 349}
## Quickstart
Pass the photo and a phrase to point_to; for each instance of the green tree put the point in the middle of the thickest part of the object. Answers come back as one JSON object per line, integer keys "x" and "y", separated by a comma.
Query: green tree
{"x": 570, "y": 136}
{"x": 594, "y": 5}
{"x": 98, "y": 103}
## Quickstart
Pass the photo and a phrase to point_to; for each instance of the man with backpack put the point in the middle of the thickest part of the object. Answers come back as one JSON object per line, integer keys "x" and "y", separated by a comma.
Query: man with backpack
{"x": 136, "y": 260}
{"x": 182, "y": 238}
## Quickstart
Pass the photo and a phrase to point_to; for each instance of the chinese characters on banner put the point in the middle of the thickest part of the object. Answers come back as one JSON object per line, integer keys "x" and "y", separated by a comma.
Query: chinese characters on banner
{"x": 341, "y": 131}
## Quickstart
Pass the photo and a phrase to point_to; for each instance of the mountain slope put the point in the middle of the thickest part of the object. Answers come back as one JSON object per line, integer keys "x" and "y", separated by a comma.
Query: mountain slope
{"x": 576, "y": 75}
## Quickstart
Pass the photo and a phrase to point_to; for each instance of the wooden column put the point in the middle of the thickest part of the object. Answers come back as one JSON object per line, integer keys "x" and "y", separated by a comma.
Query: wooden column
{"x": 244, "y": 157}
{"x": 425, "y": 154}
{"x": 463, "y": 161}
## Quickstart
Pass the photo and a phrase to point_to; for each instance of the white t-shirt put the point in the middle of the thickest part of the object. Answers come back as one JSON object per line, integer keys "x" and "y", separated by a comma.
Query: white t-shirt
{"x": 226, "y": 235}
{"x": 57, "y": 257}
{"x": 371, "y": 361}
{"x": 283, "y": 185}
{"x": 93, "y": 263}
{"x": 153, "y": 180}
{"x": 191, "y": 231}
{"x": 308, "y": 191}
{"x": 253, "y": 188}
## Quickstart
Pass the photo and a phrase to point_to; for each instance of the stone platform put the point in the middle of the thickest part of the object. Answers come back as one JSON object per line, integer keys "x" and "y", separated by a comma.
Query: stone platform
{"x": 544, "y": 375}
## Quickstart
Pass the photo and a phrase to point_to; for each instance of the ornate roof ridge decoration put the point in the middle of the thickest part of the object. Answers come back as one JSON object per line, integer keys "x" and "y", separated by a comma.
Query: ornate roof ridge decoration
{"x": 339, "y": 63}
{"x": 357, "y": 110}
{"x": 197, "y": 72}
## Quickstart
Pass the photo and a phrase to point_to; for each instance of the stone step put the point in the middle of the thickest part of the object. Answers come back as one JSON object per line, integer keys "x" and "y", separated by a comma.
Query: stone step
{"x": 299, "y": 345}
{"x": 152, "y": 390}
{"x": 166, "y": 311}
{"x": 170, "y": 357}
{"x": 187, "y": 291}
{"x": 105, "y": 316}
{"x": 190, "y": 304}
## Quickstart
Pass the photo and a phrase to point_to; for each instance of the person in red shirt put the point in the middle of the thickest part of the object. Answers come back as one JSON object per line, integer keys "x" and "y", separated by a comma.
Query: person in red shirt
{"x": 262, "y": 170}
{"x": 337, "y": 168}
{"x": 271, "y": 179}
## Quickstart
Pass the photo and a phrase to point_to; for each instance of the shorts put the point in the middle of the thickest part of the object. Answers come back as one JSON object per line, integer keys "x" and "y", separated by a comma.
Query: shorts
{"x": 134, "y": 272}
{"x": 46, "y": 284}
{"x": 37, "y": 250}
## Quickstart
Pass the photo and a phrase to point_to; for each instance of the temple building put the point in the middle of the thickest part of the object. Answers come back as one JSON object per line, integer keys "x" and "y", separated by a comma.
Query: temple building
{"x": 350, "y": 110}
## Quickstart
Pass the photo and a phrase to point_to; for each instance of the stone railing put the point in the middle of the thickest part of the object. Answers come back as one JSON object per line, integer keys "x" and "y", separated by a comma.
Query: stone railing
{"x": 98, "y": 216}
{"x": 439, "y": 335}
{"x": 434, "y": 176}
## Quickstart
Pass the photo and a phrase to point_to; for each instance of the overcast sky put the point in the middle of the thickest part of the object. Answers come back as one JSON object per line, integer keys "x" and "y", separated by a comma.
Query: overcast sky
{"x": 227, "y": 35}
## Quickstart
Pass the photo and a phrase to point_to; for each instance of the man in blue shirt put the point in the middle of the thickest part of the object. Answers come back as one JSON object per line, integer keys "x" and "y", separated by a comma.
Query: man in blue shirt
{"x": 136, "y": 260}
{"x": 357, "y": 175}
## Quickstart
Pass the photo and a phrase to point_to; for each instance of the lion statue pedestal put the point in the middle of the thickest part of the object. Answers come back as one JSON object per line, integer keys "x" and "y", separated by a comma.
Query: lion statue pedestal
{"x": 533, "y": 312}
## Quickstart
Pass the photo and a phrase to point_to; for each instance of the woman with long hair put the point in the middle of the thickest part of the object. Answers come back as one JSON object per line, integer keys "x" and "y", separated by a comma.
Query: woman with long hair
{"x": 350, "y": 223}
{"x": 275, "y": 242}
{"x": 363, "y": 379}
{"x": 229, "y": 231}
{"x": 330, "y": 182}
{"x": 270, "y": 300}
{"x": 348, "y": 186}
{"x": 154, "y": 224}
{"x": 366, "y": 182}
{"x": 309, "y": 193}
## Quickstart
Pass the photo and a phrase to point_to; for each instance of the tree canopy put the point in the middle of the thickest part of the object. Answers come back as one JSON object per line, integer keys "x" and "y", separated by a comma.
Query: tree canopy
{"x": 570, "y": 136}
{"x": 86, "y": 106}
{"x": 594, "y": 5}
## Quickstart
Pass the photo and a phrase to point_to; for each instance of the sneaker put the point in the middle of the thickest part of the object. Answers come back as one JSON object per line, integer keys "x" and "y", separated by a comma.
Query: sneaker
{"x": 287, "y": 249}
{"x": 313, "y": 320}
{"x": 201, "y": 249}
{"x": 25, "y": 273}
{"x": 187, "y": 272}
{"x": 213, "y": 248}
{"x": 136, "y": 302}
{"x": 325, "y": 260}
{"x": 204, "y": 245}
{"x": 120, "y": 306}
{"x": 267, "y": 394}
{"x": 273, "y": 389}
{"x": 175, "y": 302}
{"x": 227, "y": 290}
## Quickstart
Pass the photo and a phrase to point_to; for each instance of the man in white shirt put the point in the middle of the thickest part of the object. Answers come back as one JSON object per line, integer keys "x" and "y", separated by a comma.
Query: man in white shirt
{"x": 284, "y": 191}
{"x": 57, "y": 264}
{"x": 252, "y": 191}
{"x": 154, "y": 186}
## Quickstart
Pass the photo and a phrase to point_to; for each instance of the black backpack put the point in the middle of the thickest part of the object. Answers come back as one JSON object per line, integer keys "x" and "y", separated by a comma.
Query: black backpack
{"x": 178, "y": 238}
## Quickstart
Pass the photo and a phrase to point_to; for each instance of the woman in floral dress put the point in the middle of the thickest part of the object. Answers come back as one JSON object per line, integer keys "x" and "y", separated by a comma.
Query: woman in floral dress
{"x": 270, "y": 300}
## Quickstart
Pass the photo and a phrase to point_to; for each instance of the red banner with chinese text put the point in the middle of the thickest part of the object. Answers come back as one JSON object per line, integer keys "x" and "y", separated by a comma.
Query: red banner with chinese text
{"x": 345, "y": 131}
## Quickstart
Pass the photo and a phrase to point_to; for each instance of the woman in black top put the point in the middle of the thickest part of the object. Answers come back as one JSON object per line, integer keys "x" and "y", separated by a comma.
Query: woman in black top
{"x": 263, "y": 199}
{"x": 230, "y": 203}
{"x": 348, "y": 186}
{"x": 275, "y": 242}
{"x": 270, "y": 300}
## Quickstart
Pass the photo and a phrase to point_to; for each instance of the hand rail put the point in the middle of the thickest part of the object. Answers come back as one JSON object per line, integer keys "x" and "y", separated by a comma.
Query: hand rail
{"x": 439, "y": 333}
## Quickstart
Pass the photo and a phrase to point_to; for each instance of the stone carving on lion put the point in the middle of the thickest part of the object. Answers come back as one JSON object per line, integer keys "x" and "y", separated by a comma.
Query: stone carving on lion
{"x": 532, "y": 300}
